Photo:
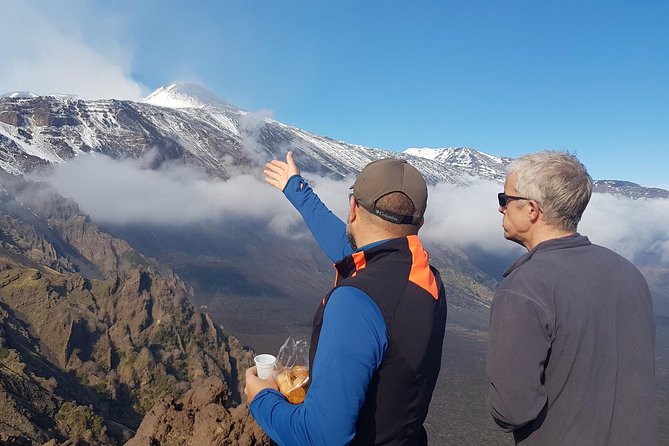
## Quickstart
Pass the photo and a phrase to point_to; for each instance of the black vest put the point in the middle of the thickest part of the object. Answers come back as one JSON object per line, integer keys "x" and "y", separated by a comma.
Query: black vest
{"x": 408, "y": 291}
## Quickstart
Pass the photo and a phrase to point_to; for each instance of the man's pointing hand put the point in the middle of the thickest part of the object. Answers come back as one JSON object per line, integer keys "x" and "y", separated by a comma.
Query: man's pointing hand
{"x": 277, "y": 173}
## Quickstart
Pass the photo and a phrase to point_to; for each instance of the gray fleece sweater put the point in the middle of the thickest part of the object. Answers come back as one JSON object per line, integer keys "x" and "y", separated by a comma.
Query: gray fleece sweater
{"x": 571, "y": 355}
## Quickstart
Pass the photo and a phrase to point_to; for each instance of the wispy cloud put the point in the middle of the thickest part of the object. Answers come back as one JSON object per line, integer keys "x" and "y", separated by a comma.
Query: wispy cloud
{"x": 250, "y": 128}
{"x": 48, "y": 52}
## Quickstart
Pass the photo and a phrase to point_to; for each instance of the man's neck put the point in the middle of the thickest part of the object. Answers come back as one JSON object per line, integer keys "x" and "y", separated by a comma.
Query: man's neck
{"x": 363, "y": 240}
{"x": 371, "y": 245}
{"x": 543, "y": 233}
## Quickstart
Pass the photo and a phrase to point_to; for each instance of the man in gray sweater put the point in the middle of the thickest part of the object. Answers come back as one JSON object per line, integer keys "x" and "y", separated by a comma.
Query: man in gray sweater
{"x": 571, "y": 355}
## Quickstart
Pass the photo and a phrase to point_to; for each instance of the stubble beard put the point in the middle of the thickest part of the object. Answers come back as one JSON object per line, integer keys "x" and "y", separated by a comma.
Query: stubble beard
{"x": 350, "y": 238}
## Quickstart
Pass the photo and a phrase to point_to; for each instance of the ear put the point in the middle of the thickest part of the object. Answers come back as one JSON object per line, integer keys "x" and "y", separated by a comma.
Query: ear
{"x": 352, "y": 210}
{"x": 534, "y": 211}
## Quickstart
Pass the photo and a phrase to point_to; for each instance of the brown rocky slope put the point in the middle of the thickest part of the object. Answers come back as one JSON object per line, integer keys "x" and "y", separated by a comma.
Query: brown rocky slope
{"x": 93, "y": 335}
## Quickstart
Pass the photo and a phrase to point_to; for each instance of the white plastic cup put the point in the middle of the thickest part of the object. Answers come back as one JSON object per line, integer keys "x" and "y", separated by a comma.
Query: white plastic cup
{"x": 264, "y": 365}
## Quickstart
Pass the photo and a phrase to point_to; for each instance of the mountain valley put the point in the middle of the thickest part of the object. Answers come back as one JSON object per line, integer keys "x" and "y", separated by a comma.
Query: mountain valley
{"x": 105, "y": 324}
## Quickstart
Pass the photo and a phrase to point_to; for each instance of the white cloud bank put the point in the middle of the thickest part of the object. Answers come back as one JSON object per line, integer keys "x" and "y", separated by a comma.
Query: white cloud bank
{"x": 127, "y": 191}
{"x": 468, "y": 216}
{"x": 120, "y": 192}
{"x": 47, "y": 52}
{"x": 633, "y": 228}
{"x": 465, "y": 216}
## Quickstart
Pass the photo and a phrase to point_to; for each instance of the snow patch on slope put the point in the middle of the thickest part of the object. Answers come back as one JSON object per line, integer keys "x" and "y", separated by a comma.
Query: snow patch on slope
{"x": 37, "y": 147}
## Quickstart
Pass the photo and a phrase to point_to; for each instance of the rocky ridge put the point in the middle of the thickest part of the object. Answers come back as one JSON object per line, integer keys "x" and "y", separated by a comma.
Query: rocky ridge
{"x": 93, "y": 334}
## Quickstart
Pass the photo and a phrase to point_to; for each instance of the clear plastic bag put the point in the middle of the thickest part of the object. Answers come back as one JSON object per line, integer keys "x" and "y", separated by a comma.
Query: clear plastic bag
{"x": 291, "y": 369}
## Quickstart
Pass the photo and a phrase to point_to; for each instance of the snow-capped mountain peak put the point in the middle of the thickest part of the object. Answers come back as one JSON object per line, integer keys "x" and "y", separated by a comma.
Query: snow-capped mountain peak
{"x": 19, "y": 95}
{"x": 463, "y": 154}
{"x": 183, "y": 95}
{"x": 475, "y": 162}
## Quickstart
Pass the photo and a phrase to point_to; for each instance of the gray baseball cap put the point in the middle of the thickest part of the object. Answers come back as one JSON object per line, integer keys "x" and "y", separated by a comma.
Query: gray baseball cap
{"x": 384, "y": 176}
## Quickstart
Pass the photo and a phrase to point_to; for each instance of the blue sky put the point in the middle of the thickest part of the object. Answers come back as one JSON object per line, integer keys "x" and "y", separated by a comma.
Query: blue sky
{"x": 503, "y": 77}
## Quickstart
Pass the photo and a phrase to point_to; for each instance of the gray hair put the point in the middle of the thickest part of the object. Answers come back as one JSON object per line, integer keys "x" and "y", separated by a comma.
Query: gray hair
{"x": 558, "y": 181}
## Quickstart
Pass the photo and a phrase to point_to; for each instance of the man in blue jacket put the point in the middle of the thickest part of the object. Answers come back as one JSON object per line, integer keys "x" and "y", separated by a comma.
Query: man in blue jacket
{"x": 377, "y": 337}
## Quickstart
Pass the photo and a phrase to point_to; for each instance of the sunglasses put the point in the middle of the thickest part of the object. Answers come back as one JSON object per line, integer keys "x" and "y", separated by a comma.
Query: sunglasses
{"x": 504, "y": 199}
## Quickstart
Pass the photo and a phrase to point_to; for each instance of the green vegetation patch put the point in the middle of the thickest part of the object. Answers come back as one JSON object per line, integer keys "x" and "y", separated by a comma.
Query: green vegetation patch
{"x": 81, "y": 423}
{"x": 159, "y": 387}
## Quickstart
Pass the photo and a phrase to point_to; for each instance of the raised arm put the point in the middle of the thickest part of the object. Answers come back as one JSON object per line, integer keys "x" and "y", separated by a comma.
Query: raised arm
{"x": 328, "y": 230}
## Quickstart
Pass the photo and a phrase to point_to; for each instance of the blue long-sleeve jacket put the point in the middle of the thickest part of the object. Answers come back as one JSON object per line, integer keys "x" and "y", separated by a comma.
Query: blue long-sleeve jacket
{"x": 350, "y": 349}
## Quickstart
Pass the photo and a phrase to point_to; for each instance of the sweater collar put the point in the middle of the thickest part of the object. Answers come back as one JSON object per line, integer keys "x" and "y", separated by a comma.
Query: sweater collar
{"x": 571, "y": 241}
